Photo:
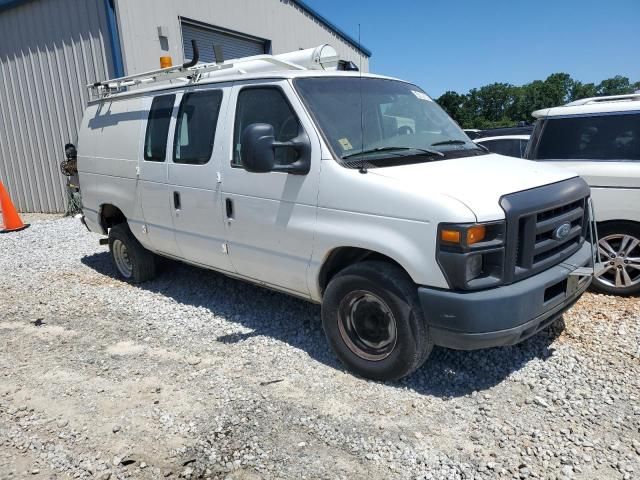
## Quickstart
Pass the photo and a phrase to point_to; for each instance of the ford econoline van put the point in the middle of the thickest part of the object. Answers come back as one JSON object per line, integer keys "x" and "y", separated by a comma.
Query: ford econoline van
{"x": 352, "y": 190}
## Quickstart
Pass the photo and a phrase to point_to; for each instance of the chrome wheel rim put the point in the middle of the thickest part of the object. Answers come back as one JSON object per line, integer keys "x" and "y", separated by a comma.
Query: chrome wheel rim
{"x": 620, "y": 254}
{"x": 121, "y": 256}
{"x": 367, "y": 325}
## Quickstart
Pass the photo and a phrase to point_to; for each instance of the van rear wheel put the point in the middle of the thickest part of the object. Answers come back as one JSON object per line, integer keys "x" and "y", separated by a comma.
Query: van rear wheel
{"x": 373, "y": 321}
{"x": 134, "y": 263}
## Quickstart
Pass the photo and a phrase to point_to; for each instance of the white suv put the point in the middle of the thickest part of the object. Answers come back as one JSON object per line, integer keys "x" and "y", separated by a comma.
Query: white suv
{"x": 599, "y": 138}
{"x": 354, "y": 191}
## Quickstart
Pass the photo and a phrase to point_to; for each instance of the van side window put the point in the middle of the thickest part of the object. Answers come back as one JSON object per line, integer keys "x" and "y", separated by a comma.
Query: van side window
{"x": 196, "y": 127}
{"x": 266, "y": 105}
{"x": 155, "y": 140}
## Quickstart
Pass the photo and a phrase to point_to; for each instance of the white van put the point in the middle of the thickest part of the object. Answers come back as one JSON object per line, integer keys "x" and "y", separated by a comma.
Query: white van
{"x": 351, "y": 190}
{"x": 599, "y": 138}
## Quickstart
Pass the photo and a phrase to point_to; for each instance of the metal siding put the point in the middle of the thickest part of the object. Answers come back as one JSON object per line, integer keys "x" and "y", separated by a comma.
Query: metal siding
{"x": 232, "y": 46}
{"x": 49, "y": 50}
{"x": 283, "y": 22}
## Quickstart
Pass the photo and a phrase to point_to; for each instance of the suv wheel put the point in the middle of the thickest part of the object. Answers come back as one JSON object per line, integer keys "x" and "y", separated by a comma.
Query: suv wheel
{"x": 373, "y": 321}
{"x": 619, "y": 246}
{"x": 134, "y": 263}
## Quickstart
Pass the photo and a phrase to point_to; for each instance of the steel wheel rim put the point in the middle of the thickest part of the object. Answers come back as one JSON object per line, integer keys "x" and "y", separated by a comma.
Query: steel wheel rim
{"x": 121, "y": 256}
{"x": 367, "y": 325}
{"x": 621, "y": 255}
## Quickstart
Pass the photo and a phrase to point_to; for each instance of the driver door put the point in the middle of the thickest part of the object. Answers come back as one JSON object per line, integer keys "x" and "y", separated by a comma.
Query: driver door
{"x": 270, "y": 217}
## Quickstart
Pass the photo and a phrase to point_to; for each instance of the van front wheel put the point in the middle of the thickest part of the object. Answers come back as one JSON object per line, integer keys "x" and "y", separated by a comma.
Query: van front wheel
{"x": 373, "y": 321}
{"x": 133, "y": 262}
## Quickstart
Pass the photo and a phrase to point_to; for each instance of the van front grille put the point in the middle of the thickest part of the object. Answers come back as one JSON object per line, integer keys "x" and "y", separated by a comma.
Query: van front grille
{"x": 545, "y": 225}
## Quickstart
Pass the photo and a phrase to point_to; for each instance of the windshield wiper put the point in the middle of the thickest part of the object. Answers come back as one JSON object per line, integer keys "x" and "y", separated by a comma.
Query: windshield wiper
{"x": 398, "y": 149}
{"x": 449, "y": 142}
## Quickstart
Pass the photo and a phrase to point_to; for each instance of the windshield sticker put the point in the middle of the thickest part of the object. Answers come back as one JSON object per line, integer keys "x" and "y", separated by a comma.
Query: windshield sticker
{"x": 422, "y": 95}
{"x": 345, "y": 144}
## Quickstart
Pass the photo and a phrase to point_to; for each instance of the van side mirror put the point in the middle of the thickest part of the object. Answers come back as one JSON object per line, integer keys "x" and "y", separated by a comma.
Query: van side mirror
{"x": 258, "y": 151}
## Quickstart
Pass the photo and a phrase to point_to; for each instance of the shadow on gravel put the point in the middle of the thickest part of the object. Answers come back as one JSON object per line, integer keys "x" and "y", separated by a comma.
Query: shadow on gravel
{"x": 446, "y": 374}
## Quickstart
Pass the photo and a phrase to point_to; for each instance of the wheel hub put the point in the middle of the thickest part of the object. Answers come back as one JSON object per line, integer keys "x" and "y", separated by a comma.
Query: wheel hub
{"x": 367, "y": 325}
{"x": 122, "y": 259}
{"x": 623, "y": 268}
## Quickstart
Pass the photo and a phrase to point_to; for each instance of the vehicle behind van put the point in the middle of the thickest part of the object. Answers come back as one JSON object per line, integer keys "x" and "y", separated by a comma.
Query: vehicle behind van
{"x": 599, "y": 138}
{"x": 351, "y": 190}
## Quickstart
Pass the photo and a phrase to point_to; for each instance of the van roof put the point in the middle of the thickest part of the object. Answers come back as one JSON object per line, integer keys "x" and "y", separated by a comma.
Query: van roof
{"x": 593, "y": 105}
{"x": 320, "y": 61}
{"x": 183, "y": 82}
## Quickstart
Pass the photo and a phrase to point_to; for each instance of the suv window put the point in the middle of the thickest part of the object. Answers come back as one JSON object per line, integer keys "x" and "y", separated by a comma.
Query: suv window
{"x": 600, "y": 137}
{"x": 196, "y": 127}
{"x": 266, "y": 105}
{"x": 155, "y": 139}
{"x": 510, "y": 147}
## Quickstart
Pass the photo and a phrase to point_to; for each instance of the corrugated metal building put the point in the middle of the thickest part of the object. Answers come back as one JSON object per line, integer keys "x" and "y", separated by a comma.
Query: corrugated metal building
{"x": 50, "y": 49}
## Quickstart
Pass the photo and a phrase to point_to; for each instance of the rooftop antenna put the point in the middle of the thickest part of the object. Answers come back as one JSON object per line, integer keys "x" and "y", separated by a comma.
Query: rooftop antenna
{"x": 363, "y": 168}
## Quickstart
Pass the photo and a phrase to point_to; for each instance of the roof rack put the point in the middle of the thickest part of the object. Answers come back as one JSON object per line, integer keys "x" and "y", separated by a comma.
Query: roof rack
{"x": 609, "y": 98}
{"x": 323, "y": 57}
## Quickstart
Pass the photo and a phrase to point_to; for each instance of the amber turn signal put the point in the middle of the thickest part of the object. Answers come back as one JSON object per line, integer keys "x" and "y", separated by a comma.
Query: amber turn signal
{"x": 450, "y": 236}
{"x": 476, "y": 234}
{"x": 165, "y": 62}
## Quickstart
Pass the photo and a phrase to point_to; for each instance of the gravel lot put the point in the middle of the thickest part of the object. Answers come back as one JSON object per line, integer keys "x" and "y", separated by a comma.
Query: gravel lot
{"x": 197, "y": 375}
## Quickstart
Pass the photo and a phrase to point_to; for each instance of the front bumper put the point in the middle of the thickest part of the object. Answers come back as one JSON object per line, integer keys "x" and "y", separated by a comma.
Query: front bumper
{"x": 505, "y": 315}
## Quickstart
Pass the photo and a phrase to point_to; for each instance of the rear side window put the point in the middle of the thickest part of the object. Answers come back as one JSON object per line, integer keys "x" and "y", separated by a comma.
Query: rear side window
{"x": 155, "y": 140}
{"x": 196, "y": 127}
{"x": 602, "y": 137}
{"x": 266, "y": 105}
{"x": 509, "y": 147}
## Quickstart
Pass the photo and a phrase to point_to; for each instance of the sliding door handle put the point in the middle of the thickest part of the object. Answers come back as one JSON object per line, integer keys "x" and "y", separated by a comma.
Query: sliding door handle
{"x": 176, "y": 200}
{"x": 228, "y": 203}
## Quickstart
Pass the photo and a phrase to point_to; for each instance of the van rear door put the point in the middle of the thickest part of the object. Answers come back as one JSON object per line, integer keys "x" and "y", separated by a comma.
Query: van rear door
{"x": 153, "y": 191}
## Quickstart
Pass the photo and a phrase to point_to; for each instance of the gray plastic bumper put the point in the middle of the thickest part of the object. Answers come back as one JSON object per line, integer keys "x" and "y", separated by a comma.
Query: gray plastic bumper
{"x": 505, "y": 315}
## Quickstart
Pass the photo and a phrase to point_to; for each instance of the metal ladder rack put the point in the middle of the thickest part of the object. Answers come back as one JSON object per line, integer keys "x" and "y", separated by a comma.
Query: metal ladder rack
{"x": 189, "y": 71}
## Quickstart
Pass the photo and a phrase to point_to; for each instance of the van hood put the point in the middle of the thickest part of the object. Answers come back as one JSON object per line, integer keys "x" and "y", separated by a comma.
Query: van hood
{"x": 478, "y": 182}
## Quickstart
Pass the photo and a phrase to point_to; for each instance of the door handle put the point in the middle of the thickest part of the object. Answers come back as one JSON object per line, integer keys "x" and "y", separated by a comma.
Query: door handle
{"x": 176, "y": 200}
{"x": 228, "y": 203}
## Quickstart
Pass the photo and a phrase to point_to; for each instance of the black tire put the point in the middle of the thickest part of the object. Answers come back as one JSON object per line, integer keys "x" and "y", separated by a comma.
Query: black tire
{"x": 612, "y": 233}
{"x": 394, "y": 298}
{"x": 142, "y": 264}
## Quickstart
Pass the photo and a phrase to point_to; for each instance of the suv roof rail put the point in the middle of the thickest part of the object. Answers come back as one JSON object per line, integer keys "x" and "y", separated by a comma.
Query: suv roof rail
{"x": 323, "y": 57}
{"x": 609, "y": 98}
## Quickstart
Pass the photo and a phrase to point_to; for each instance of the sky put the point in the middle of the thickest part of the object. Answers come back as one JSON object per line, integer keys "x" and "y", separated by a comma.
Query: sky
{"x": 462, "y": 44}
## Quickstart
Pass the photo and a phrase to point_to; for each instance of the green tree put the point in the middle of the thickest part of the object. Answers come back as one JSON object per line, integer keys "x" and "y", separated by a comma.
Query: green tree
{"x": 583, "y": 90}
{"x": 503, "y": 104}
{"x": 617, "y": 85}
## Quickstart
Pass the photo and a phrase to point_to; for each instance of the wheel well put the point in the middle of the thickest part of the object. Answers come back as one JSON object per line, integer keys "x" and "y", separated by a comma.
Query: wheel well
{"x": 110, "y": 215}
{"x": 342, "y": 257}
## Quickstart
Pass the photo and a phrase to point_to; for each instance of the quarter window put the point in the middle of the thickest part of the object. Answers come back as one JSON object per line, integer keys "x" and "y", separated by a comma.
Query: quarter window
{"x": 155, "y": 139}
{"x": 266, "y": 105}
{"x": 196, "y": 127}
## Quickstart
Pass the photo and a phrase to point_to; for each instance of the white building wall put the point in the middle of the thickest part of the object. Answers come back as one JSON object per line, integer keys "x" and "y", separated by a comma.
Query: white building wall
{"x": 283, "y": 22}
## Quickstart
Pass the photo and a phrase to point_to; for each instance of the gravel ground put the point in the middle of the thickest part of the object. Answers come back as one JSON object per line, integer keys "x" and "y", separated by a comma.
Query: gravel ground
{"x": 197, "y": 375}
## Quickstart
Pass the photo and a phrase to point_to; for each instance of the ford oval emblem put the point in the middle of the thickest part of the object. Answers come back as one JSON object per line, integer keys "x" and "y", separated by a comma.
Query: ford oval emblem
{"x": 561, "y": 232}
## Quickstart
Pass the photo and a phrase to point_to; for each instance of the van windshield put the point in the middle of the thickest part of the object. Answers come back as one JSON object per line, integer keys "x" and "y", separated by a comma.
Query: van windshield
{"x": 377, "y": 122}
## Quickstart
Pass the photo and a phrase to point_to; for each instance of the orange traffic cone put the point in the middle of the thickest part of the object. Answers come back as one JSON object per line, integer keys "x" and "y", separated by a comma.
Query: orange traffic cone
{"x": 10, "y": 217}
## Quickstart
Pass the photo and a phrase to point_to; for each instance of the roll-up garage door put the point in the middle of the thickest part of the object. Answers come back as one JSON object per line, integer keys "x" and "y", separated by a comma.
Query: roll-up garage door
{"x": 233, "y": 46}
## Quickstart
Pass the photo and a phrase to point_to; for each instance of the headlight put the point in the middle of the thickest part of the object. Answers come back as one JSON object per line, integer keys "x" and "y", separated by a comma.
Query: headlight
{"x": 472, "y": 255}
